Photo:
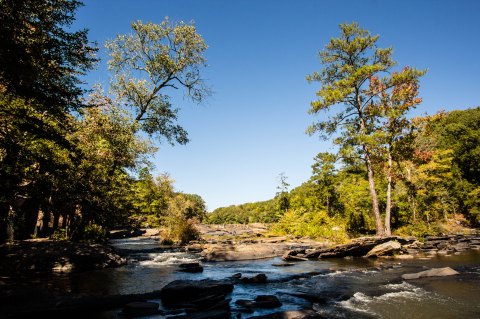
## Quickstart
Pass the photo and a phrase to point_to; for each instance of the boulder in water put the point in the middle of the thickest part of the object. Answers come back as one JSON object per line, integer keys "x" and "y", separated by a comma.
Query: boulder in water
{"x": 191, "y": 267}
{"x": 258, "y": 279}
{"x": 267, "y": 301}
{"x": 434, "y": 272}
{"x": 385, "y": 249}
{"x": 261, "y": 301}
{"x": 197, "y": 294}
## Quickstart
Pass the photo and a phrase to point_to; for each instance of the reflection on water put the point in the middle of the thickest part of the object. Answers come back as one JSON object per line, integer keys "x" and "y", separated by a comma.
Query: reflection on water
{"x": 364, "y": 288}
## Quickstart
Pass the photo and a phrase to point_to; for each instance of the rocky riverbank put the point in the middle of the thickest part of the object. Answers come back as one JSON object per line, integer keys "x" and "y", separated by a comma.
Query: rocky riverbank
{"x": 196, "y": 299}
{"x": 391, "y": 247}
{"x": 41, "y": 257}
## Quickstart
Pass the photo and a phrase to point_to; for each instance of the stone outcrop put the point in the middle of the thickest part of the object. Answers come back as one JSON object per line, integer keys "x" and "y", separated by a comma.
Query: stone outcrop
{"x": 434, "y": 272}
{"x": 399, "y": 247}
{"x": 443, "y": 245}
{"x": 357, "y": 248}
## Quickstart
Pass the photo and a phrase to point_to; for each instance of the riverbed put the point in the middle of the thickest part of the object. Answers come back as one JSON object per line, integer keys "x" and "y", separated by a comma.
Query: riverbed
{"x": 345, "y": 287}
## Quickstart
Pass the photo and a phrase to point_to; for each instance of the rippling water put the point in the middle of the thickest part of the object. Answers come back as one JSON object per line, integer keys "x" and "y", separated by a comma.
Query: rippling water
{"x": 359, "y": 288}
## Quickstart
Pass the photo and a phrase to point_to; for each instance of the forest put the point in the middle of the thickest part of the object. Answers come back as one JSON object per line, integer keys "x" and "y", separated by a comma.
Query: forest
{"x": 75, "y": 161}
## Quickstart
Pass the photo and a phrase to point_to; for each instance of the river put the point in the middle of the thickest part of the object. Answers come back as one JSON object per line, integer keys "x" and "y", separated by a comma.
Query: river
{"x": 359, "y": 288}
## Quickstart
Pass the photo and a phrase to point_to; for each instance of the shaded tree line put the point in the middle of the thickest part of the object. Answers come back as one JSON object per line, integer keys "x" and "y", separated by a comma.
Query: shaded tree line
{"x": 73, "y": 163}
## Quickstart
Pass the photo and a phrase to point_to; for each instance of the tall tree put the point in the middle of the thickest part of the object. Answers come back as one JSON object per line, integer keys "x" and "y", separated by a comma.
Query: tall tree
{"x": 148, "y": 62}
{"x": 348, "y": 63}
{"x": 282, "y": 193}
{"x": 397, "y": 95}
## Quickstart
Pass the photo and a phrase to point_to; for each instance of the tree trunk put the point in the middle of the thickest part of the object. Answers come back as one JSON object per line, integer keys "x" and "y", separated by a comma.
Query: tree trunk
{"x": 388, "y": 209}
{"x": 373, "y": 195}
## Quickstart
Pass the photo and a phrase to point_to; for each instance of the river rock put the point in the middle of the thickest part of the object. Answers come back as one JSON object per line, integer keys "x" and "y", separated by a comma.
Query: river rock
{"x": 191, "y": 267}
{"x": 201, "y": 293}
{"x": 294, "y": 314}
{"x": 267, "y": 301}
{"x": 434, "y": 272}
{"x": 385, "y": 249}
{"x": 261, "y": 301}
{"x": 257, "y": 279}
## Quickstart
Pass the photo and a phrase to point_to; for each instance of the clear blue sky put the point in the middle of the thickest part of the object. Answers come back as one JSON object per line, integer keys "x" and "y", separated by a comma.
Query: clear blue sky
{"x": 259, "y": 53}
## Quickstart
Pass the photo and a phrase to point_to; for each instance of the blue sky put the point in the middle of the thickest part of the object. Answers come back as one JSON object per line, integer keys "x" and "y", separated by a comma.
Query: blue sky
{"x": 260, "y": 51}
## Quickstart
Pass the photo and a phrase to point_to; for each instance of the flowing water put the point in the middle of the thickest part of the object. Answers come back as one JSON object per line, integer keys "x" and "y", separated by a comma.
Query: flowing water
{"x": 356, "y": 288}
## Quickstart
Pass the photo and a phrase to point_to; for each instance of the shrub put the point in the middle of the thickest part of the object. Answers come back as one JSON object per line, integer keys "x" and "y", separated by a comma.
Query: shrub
{"x": 421, "y": 229}
{"x": 94, "y": 234}
{"x": 59, "y": 234}
{"x": 317, "y": 224}
{"x": 179, "y": 231}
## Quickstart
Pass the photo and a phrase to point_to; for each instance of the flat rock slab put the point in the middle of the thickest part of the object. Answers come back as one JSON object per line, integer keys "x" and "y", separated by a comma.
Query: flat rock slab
{"x": 294, "y": 314}
{"x": 434, "y": 272}
{"x": 232, "y": 252}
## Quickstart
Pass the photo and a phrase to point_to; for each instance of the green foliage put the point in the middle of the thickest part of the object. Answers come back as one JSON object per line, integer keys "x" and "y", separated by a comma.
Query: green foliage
{"x": 281, "y": 197}
{"x": 178, "y": 227}
{"x": 349, "y": 61}
{"x": 421, "y": 230}
{"x": 150, "y": 60}
{"x": 40, "y": 63}
{"x": 59, "y": 234}
{"x": 259, "y": 212}
{"x": 41, "y": 58}
{"x": 460, "y": 131}
{"x": 94, "y": 234}
{"x": 317, "y": 224}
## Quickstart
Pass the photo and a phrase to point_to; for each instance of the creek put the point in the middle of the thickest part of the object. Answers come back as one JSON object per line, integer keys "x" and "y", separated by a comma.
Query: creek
{"x": 352, "y": 288}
